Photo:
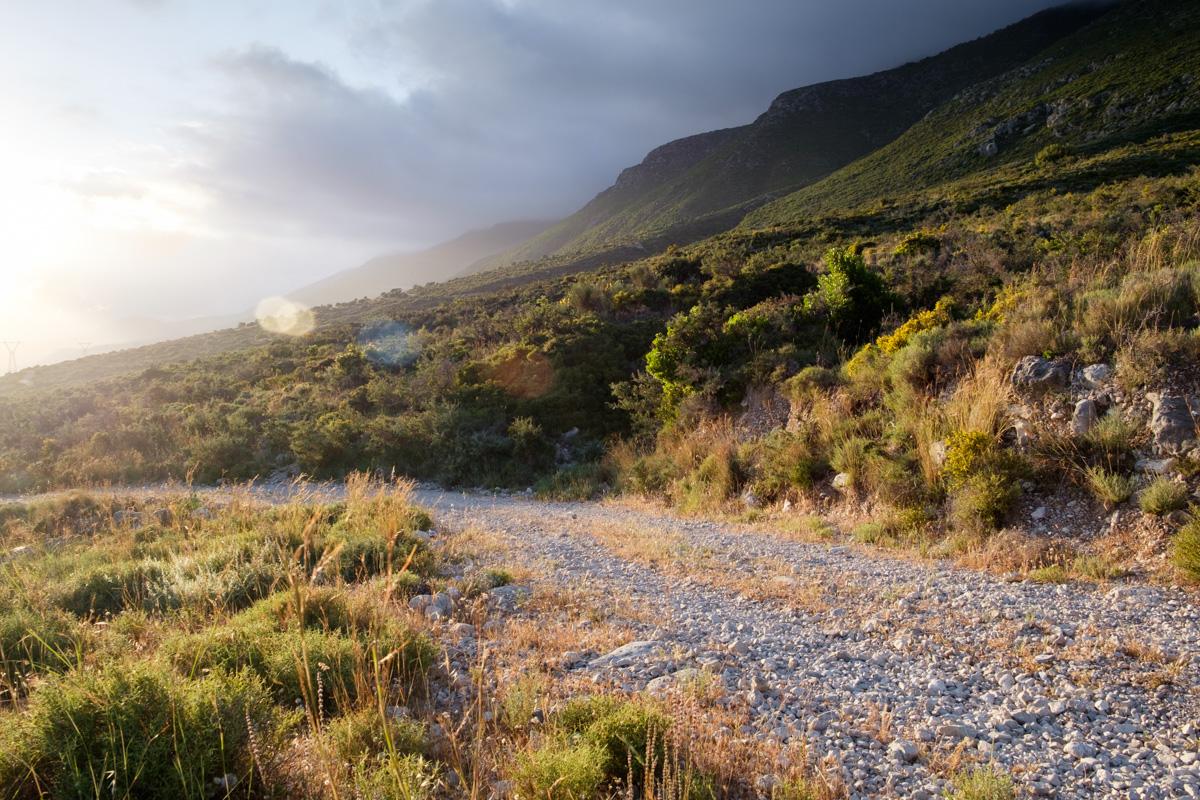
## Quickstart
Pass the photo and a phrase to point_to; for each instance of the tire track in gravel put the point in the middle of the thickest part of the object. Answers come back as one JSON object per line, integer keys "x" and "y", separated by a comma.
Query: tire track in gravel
{"x": 1080, "y": 690}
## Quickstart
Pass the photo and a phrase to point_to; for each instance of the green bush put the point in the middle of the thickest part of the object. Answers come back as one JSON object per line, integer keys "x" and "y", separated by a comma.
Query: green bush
{"x": 1096, "y": 567}
{"x": 397, "y": 777}
{"x": 1109, "y": 487}
{"x": 786, "y": 461}
{"x": 984, "y": 500}
{"x": 982, "y": 783}
{"x": 275, "y": 649}
{"x": 651, "y": 474}
{"x": 33, "y": 642}
{"x": 852, "y": 457}
{"x": 362, "y": 734}
{"x": 1185, "y": 547}
{"x": 1111, "y": 440}
{"x": 983, "y": 479}
{"x": 622, "y": 732}
{"x": 579, "y": 482}
{"x": 113, "y": 588}
{"x": 850, "y": 297}
{"x": 1163, "y": 496}
{"x": 132, "y": 731}
{"x": 560, "y": 770}
{"x": 918, "y": 243}
{"x": 1050, "y": 154}
{"x": 1051, "y": 573}
{"x": 522, "y": 699}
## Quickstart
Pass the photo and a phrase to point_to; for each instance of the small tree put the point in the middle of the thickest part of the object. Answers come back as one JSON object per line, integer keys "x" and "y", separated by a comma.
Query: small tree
{"x": 849, "y": 296}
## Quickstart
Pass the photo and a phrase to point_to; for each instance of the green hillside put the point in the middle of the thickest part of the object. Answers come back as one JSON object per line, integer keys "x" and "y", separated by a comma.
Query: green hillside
{"x": 700, "y": 185}
{"x": 1121, "y": 82}
{"x": 774, "y": 359}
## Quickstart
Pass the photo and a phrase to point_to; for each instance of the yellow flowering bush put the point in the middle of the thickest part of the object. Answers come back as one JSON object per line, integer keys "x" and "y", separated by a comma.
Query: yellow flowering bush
{"x": 895, "y": 341}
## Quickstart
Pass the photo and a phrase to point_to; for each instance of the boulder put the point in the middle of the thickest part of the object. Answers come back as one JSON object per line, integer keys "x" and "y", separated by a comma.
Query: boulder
{"x": 629, "y": 654}
{"x": 1173, "y": 424}
{"x": 1037, "y": 376}
{"x": 1094, "y": 375}
{"x": 937, "y": 453}
{"x": 840, "y": 481}
{"x": 507, "y": 598}
{"x": 1084, "y": 417}
{"x": 903, "y": 751}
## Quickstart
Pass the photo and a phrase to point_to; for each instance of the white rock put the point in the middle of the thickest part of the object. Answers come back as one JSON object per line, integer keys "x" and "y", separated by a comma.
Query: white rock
{"x": 903, "y": 751}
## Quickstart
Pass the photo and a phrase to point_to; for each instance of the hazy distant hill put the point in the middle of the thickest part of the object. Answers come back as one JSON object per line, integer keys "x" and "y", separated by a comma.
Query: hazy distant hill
{"x": 404, "y": 270}
{"x": 703, "y": 184}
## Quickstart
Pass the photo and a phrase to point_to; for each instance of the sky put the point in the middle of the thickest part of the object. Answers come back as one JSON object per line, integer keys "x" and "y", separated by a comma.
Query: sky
{"x": 171, "y": 159}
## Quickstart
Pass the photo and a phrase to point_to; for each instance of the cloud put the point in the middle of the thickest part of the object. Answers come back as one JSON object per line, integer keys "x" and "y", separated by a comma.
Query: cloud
{"x": 487, "y": 110}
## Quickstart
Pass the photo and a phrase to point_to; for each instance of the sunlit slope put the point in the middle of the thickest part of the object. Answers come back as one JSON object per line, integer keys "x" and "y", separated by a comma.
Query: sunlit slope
{"x": 1130, "y": 77}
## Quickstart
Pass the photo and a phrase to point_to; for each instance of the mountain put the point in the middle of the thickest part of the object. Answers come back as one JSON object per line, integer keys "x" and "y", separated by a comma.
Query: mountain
{"x": 1103, "y": 98}
{"x": 703, "y": 184}
{"x": 403, "y": 270}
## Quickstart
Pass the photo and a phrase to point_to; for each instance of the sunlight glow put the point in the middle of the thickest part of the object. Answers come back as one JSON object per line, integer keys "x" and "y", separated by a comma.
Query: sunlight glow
{"x": 280, "y": 315}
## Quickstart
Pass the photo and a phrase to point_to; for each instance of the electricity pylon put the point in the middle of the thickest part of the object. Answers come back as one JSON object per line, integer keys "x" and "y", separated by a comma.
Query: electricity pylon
{"x": 12, "y": 356}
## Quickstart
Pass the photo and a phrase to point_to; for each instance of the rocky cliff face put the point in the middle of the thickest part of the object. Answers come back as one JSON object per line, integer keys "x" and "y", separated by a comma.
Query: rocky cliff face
{"x": 673, "y": 159}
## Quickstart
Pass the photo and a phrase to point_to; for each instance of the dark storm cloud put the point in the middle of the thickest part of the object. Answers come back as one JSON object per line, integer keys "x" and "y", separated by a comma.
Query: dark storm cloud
{"x": 487, "y": 110}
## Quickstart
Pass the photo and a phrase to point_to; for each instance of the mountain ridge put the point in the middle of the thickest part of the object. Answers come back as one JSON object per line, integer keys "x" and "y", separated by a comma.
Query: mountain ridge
{"x": 805, "y": 134}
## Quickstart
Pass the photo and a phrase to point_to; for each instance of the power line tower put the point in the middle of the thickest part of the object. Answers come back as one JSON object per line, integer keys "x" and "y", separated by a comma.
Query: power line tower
{"x": 12, "y": 356}
{"x": 84, "y": 347}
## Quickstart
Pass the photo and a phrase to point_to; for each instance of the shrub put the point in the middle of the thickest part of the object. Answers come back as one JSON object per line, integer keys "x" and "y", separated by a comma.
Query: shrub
{"x": 522, "y": 699}
{"x": 869, "y": 533}
{"x": 965, "y": 450}
{"x": 918, "y": 243}
{"x": 798, "y": 789}
{"x": 559, "y": 770}
{"x": 134, "y": 731}
{"x": 1097, "y": 568}
{"x": 651, "y": 474}
{"x": 1109, "y": 487}
{"x": 1050, "y": 154}
{"x": 1185, "y": 548}
{"x": 851, "y": 457}
{"x": 719, "y": 477}
{"x": 31, "y": 642}
{"x": 850, "y": 297}
{"x": 626, "y": 732}
{"x": 1111, "y": 439}
{"x": 1163, "y": 496}
{"x": 1051, "y": 573}
{"x": 578, "y": 482}
{"x": 363, "y": 734}
{"x": 982, "y": 783}
{"x": 623, "y": 732}
{"x": 984, "y": 499}
{"x": 984, "y": 480}
{"x": 397, "y": 777}
{"x": 786, "y": 461}
{"x": 112, "y": 588}
{"x": 274, "y": 647}
{"x": 810, "y": 380}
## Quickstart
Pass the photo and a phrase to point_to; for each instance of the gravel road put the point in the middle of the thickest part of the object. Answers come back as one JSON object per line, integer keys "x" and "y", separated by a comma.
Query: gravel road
{"x": 896, "y": 666}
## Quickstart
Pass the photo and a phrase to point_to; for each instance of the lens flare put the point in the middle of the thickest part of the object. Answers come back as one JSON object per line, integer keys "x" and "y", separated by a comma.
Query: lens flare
{"x": 280, "y": 315}
{"x": 523, "y": 373}
{"x": 385, "y": 341}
